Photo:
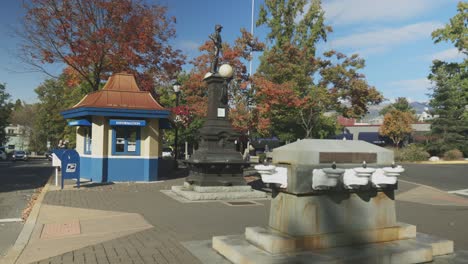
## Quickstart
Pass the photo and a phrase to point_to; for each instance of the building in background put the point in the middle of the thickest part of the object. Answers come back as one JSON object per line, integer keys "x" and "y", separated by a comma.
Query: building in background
{"x": 368, "y": 132}
{"x": 17, "y": 138}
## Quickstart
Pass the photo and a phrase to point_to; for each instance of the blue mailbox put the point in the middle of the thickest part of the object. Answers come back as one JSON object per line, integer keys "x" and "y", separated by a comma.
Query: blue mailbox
{"x": 70, "y": 166}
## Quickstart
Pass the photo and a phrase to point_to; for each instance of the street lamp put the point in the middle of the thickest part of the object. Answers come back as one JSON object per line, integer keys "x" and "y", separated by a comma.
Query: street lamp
{"x": 176, "y": 88}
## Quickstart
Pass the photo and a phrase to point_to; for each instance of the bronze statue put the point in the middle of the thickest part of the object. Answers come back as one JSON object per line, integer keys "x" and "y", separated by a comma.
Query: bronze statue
{"x": 216, "y": 38}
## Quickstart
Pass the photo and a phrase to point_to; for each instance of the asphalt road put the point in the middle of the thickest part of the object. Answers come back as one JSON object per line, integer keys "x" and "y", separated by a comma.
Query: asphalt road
{"x": 447, "y": 222}
{"x": 18, "y": 182}
{"x": 443, "y": 221}
{"x": 442, "y": 176}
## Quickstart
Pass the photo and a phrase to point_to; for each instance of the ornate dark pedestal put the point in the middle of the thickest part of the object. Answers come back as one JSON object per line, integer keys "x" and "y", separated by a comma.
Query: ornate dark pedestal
{"x": 216, "y": 162}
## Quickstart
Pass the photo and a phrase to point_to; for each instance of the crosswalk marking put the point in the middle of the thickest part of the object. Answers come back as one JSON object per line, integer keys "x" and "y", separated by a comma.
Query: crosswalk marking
{"x": 463, "y": 192}
{"x": 9, "y": 220}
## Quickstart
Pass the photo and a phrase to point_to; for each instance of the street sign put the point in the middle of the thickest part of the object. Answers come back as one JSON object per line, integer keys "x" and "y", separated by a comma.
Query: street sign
{"x": 121, "y": 122}
{"x": 71, "y": 166}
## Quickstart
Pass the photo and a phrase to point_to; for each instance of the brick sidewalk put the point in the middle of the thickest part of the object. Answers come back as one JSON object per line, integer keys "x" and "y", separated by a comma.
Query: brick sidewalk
{"x": 173, "y": 222}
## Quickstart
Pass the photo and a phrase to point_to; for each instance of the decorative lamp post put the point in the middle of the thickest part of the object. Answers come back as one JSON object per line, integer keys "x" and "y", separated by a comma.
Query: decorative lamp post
{"x": 216, "y": 162}
{"x": 176, "y": 87}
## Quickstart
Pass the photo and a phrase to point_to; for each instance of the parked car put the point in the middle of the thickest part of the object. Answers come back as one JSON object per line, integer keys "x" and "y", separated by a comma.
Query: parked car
{"x": 48, "y": 155}
{"x": 19, "y": 155}
{"x": 3, "y": 155}
{"x": 167, "y": 153}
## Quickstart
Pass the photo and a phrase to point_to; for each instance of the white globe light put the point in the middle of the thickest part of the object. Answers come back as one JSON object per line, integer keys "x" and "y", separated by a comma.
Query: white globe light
{"x": 226, "y": 71}
{"x": 208, "y": 74}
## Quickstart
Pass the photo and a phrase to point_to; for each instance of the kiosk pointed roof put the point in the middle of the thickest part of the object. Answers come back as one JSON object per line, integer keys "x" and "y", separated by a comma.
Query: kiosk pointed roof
{"x": 120, "y": 92}
{"x": 122, "y": 82}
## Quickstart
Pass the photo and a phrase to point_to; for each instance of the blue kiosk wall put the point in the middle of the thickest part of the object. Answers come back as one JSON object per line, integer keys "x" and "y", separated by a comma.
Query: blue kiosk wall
{"x": 114, "y": 150}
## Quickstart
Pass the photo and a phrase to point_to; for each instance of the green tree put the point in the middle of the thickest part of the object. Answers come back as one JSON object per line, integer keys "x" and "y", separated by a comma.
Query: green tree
{"x": 449, "y": 98}
{"x": 5, "y": 110}
{"x": 456, "y": 31}
{"x": 55, "y": 96}
{"x": 49, "y": 124}
{"x": 18, "y": 105}
{"x": 293, "y": 86}
{"x": 24, "y": 114}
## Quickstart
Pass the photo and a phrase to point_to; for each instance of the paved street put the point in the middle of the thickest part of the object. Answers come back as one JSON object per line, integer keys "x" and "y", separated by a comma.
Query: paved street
{"x": 137, "y": 223}
{"x": 444, "y": 221}
{"x": 443, "y": 176}
{"x": 18, "y": 182}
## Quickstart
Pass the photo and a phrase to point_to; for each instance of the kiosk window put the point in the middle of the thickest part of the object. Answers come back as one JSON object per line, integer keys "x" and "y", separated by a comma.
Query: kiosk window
{"x": 126, "y": 140}
{"x": 87, "y": 140}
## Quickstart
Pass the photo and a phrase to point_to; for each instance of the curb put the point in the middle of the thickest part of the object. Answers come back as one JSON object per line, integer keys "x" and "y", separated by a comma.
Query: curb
{"x": 446, "y": 162}
{"x": 23, "y": 238}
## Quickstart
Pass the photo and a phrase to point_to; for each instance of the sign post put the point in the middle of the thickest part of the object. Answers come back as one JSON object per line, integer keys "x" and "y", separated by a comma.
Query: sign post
{"x": 56, "y": 162}
{"x": 71, "y": 166}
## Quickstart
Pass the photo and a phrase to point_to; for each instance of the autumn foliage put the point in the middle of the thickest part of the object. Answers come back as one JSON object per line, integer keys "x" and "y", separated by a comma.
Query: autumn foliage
{"x": 396, "y": 125}
{"x": 272, "y": 101}
{"x": 96, "y": 38}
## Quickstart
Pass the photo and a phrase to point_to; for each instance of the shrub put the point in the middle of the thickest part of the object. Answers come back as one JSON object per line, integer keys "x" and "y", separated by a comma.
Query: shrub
{"x": 453, "y": 154}
{"x": 411, "y": 153}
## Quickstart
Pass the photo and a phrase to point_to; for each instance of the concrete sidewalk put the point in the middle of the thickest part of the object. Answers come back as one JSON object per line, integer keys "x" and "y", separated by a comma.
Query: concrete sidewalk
{"x": 137, "y": 223}
{"x": 62, "y": 229}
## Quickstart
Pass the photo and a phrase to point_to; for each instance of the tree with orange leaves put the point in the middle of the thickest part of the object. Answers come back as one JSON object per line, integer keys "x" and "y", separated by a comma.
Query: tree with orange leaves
{"x": 96, "y": 38}
{"x": 397, "y": 126}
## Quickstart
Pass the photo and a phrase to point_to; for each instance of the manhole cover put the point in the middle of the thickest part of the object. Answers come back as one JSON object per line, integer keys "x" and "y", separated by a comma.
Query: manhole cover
{"x": 61, "y": 229}
{"x": 243, "y": 203}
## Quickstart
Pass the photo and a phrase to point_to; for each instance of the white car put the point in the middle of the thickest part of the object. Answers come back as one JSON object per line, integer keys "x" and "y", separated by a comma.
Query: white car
{"x": 167, "y": 153}
{"x": 3, "y": 155}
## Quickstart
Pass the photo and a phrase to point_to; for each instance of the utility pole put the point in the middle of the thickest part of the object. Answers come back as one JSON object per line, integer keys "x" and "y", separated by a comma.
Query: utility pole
{"x": 251, "y": 32}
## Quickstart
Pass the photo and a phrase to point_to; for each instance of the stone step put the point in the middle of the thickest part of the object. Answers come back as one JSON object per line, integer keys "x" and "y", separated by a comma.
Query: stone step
{"x": 440, "y": 246}
{"x": 276, "y": 242}
{"x": 221, "y": 195}
{"x": 215, "y": 189}
{"x": 416, "y": 250}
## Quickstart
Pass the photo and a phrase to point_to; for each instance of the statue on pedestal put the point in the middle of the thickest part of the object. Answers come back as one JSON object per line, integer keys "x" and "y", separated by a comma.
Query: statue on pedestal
{"x": 216, "y": 38}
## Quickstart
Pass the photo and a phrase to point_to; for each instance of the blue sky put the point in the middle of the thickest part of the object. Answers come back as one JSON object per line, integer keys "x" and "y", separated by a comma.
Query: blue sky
{"x": 394, "y": 36}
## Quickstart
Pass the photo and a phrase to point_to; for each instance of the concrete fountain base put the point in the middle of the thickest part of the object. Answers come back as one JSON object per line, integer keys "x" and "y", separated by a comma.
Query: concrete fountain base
{"x": 332, "y": 228}
{"x": 420, "y": 249}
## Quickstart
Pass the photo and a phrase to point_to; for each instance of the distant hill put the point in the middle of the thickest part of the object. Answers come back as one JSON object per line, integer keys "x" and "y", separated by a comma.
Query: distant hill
{"x": 375, "y": 109}
{"x": 419, "y": 106}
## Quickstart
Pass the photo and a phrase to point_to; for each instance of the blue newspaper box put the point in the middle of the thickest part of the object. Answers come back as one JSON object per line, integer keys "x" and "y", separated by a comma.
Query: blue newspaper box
{"x": 70, "y": 166}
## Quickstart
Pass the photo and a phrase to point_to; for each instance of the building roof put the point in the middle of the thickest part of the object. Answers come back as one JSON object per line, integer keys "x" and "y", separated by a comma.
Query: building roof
{"x": 120, "y": 92}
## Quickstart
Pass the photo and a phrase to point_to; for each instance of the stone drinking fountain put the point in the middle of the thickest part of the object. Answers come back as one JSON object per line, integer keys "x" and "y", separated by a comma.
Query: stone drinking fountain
{"x": 333, "y": 202}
